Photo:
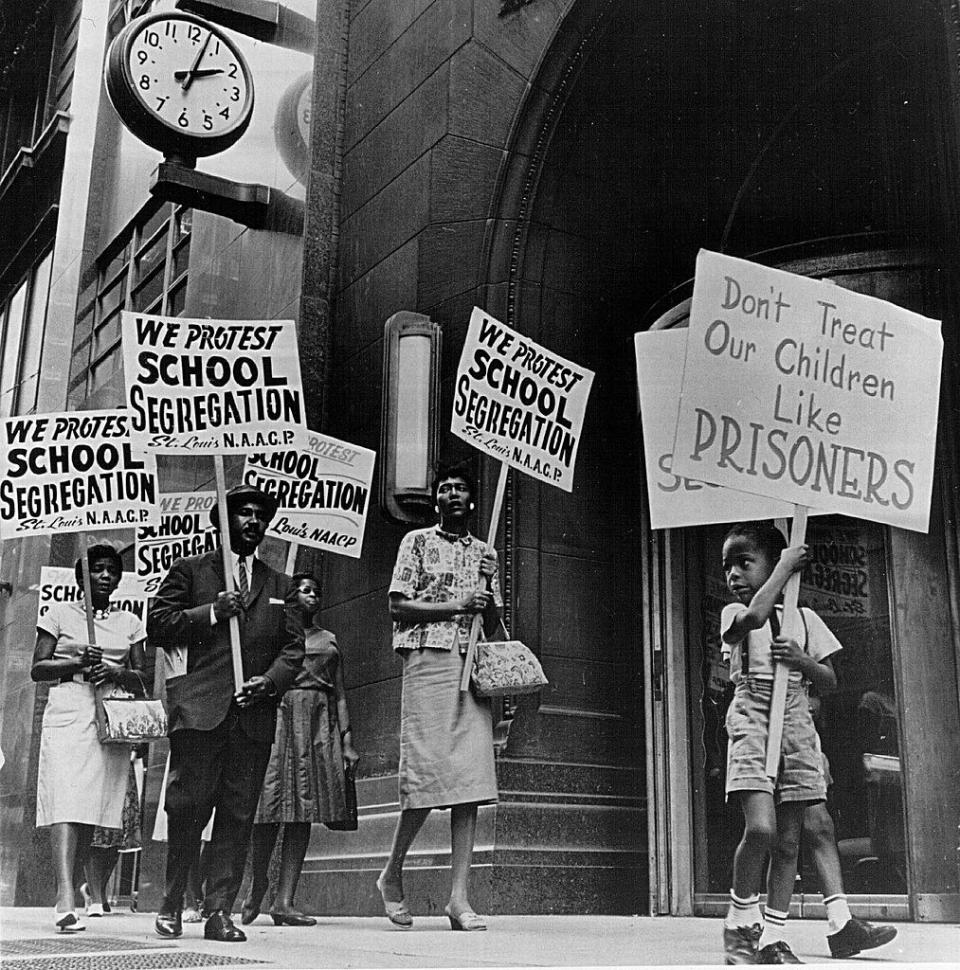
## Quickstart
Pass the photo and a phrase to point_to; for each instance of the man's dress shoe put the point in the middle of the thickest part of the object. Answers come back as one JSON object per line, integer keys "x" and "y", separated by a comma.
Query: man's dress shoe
{"x": 220, "y": 927}
{"x": 168, "y": 925}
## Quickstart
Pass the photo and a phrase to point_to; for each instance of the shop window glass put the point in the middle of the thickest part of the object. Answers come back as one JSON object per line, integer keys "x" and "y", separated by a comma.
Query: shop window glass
{"x": 13, "y": 314}
{"x": 140, "y": 274}
{"x": 32, "y": 346}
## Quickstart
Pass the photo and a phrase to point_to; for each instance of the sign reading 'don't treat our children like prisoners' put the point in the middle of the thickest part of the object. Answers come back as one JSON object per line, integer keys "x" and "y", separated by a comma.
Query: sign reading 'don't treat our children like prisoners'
{"x": 519, "y": 402}
{"x": 213, "y": 386}
{"x": 809, "y": 393}
{"x": 322, "y": 486}
{"x": 73, "y": 471}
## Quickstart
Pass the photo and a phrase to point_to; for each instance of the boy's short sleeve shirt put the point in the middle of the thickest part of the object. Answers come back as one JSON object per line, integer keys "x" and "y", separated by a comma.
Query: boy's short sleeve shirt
{"x": 820, "y": 643}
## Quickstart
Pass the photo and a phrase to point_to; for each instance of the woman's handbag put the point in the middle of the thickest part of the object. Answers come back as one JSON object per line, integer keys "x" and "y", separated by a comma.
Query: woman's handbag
{"x": 123, "y": 718}
{"x": 349, "y": 822}
{"x": 505, "y": 667}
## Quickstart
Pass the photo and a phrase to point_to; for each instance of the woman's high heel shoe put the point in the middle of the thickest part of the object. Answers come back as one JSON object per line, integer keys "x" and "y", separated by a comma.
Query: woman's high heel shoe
{"x": 90, "y": 907}
{"x": 292, "y": 919}
{"x": 67, "y": 922}
{"x": 465, "y": 921}
{"x": 397, "y": 913}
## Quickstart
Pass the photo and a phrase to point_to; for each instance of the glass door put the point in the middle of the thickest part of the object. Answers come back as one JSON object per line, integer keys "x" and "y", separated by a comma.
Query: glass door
{"x": 846, "y": 584}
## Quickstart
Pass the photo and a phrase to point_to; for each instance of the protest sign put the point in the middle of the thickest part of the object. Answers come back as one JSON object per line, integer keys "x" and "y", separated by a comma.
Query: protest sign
{"x": 676, "y": 501}
{"x": 214, "y": 386}
{"x": 73, "y": 472}
{"x": 184, "y": 530}
{"x": 518, "y": 402}
{"x": 323, "y": 489}
{"x": 58, "y": 584}
{"x": 809, "y": 393}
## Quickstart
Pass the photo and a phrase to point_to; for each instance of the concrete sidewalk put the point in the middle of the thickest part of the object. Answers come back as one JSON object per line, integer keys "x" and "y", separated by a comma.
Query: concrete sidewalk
{"x": 127, "y": 940}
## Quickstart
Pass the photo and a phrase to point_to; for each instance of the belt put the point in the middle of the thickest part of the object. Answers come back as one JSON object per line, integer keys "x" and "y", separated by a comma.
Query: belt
{"x": 78, "y": 678}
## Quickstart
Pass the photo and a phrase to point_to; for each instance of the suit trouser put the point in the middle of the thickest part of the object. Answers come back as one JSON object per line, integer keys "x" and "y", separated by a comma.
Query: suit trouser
{"x": 221, "y": 769}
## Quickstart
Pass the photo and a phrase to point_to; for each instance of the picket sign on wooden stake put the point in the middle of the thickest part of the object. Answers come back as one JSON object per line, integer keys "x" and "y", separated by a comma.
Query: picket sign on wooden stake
{"x": 790, "y": 626}
{"x": 291, "y": 562}
{"x": 491, "y": 538}
{"x": 88, "y": 613}
{"x": 224, "y": 518}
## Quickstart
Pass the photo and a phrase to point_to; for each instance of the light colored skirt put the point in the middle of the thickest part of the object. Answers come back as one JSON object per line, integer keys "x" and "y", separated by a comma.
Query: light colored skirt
{"x": 79, "y": 779}
{"x": 305, "y": 779}
{"x": 446, "y": 738}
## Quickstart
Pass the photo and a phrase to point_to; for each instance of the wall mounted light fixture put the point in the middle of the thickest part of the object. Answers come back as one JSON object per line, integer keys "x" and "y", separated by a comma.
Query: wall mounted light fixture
{"x": 410, "y": 414}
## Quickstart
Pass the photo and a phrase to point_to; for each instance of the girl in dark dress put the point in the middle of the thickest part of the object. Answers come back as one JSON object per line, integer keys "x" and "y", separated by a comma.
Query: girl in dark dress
{"x": 305, "y": 780}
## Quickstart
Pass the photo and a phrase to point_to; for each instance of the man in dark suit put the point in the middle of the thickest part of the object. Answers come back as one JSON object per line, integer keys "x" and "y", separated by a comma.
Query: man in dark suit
{"x": 220, "y": 738}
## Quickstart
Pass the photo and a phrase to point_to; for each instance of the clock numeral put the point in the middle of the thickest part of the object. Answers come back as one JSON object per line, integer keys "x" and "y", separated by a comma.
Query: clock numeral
{"x": 235, "y": 96}
{"x": 183, "y": 121}
{"x": 143, "y": 57}
{"x": 194, "y": 33}
{"x": 152, "y": 38}
{"x": 144, "y": 82}
{"x": 162, "y": 101}
{"x": 232, "y": 72}
{"x": 225, "y": 113}
{"x": 207, "y": 122}
{"x": 171, "y": 29}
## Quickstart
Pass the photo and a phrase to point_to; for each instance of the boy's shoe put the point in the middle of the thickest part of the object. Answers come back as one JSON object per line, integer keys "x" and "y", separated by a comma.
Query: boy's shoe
{"x": 778, "y": 952}
{"x": 740, "y": 944}
{"x": 856, "y": 935}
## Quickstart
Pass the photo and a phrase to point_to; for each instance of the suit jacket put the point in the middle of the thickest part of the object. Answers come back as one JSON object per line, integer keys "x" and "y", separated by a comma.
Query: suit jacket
{"x": 271, "y": 642}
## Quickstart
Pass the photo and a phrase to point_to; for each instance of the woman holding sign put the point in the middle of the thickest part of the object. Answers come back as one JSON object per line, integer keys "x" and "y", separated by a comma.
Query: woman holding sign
{"x": 83, "y": 783}
{"x": 442, "y": 578}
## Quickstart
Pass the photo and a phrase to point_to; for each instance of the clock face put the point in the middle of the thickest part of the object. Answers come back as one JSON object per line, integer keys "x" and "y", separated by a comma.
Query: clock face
{"x": 180, "y": 84}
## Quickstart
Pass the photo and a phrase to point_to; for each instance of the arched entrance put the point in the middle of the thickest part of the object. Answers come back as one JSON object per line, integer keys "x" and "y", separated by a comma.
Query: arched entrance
{"x": 656, "y": 131}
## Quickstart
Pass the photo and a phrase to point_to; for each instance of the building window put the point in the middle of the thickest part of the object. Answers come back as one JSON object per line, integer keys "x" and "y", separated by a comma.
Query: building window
{"x": 22, "y": 319}
{"x": 146, "y": 270}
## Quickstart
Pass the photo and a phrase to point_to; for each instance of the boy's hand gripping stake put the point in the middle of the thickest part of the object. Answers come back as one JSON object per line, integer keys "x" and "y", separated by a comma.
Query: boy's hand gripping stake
{"x": 791, "y": 626}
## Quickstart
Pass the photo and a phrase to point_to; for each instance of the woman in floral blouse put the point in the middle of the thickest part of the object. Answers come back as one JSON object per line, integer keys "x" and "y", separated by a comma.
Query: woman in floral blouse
{"x": 443, "y": 577}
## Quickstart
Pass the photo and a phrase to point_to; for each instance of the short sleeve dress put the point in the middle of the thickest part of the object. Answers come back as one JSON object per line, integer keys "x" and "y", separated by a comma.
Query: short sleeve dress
{"x": 305, "y": 779}
{"x": 79, "y": 779}
{"x": 446, "y": 738}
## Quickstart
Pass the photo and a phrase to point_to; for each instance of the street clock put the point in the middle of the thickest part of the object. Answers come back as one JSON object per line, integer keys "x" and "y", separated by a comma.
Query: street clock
{"x": 180, "y": 84}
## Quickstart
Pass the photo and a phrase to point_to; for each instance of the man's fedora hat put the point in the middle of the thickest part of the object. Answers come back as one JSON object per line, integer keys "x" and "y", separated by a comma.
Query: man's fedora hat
{"x": 239, "y": 494}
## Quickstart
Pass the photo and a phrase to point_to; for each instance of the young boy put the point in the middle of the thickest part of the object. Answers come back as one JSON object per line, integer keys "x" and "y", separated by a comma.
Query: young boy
{"x": 756, "y": 566}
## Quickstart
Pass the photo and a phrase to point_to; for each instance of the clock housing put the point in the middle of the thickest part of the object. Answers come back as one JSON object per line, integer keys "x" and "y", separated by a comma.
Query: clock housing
{"x": 180, "y": 84}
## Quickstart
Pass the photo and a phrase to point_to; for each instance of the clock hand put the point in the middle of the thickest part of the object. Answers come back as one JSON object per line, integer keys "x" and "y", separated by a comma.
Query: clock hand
{"x": 188, "y": 79}
{"x": 202, "y": 72}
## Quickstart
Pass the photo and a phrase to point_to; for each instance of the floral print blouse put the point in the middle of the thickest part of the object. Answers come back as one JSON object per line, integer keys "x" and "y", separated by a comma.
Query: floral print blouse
{"x": 436, "y": 567}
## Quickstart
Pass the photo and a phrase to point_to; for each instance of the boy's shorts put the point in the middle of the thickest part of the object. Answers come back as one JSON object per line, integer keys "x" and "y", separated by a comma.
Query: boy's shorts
{"x": 801, "y": 777}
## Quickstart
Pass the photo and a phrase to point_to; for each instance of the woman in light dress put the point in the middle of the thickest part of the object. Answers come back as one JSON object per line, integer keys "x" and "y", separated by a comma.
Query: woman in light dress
{"x": 82, "y": 783}
{"x": 443, "y": 577}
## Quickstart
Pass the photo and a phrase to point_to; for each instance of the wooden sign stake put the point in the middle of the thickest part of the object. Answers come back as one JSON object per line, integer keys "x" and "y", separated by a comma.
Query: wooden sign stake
{"x": 224, "y": 518}
{"x": 91, "y": 628}
{"x": 491, "y": 538}
{"x": 790, "y": 626}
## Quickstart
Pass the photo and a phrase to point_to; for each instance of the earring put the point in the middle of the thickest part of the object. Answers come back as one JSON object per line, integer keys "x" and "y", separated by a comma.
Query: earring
{"x": 472, "y": 506}
{"x": 436, "y": 509}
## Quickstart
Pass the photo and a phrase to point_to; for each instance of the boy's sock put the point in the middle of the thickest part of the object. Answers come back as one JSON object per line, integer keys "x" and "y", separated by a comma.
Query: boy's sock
{"x": 743, "y": 912}
{"x": 774, "y": 924}
{"x": 838, "y": 912}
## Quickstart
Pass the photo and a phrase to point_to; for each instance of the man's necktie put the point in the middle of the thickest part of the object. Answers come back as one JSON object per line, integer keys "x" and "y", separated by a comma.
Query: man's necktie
{"x": 242, "y": 580}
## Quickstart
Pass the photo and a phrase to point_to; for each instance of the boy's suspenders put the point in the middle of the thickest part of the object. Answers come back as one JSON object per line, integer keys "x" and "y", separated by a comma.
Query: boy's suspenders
{"x": 775, "y": 631}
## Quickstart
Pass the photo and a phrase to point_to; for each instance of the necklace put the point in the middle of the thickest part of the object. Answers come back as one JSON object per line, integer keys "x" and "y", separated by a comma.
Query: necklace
{"x": 102, "y": 614}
